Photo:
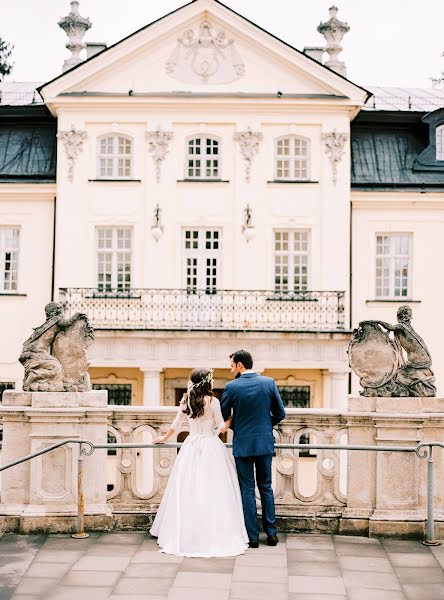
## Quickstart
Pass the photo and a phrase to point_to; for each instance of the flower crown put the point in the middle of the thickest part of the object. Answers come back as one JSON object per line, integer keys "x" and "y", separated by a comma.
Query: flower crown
{"x": 205, "y": 379}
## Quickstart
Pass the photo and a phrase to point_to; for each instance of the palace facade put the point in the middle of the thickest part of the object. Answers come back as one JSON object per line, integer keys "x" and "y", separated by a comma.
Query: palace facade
{"x": 201, "y": 186}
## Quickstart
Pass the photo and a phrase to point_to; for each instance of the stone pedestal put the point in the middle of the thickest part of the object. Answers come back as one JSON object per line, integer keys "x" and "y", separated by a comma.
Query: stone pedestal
{"x": 44, "y": 489}
{"x": 388, "y": 490}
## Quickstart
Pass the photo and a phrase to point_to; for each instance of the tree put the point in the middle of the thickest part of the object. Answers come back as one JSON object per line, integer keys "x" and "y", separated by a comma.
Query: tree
{"x": 5, "y": 54}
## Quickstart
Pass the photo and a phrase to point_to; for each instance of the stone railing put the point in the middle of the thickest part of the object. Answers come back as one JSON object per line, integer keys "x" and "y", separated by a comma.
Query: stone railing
{"x": 305, "y": 482}
{"x": 361, "y": 491}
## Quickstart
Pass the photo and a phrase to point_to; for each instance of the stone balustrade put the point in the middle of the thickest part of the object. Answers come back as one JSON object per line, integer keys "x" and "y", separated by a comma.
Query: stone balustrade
{"x": 360, "y": 492}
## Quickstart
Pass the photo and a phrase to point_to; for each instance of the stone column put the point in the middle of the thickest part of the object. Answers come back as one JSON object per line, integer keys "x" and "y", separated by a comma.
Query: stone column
{"x": 339, "y": 390}
{"x": 326, "y": 392}
{"x": 151, "y": 387}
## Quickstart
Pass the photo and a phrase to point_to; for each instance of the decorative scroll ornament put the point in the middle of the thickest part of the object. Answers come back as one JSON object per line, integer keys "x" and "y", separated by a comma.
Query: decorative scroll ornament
{"x": 158, "y": 142}
{"x": 205, "y": 57}
{"x": 73, "y": 143}
{"x": 249, "y": 142}
{"x": 334, "y": 143}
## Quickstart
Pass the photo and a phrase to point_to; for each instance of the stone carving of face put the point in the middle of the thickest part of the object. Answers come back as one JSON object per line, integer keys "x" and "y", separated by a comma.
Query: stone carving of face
{"x": 404, "y": 314}
{"x": 53, "y": 309}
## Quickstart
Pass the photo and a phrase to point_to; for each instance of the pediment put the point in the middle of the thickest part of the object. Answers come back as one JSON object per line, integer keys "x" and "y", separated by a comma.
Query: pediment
{"x": 202, "y": 48}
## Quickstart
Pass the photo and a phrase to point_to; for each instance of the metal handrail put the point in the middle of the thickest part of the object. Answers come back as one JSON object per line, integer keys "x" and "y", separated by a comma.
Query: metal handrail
{"x": 87, "y": 448}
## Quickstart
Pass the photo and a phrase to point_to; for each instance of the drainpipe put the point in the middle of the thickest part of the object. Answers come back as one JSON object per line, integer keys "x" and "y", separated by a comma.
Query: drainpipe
{"x": 53, "y": 249}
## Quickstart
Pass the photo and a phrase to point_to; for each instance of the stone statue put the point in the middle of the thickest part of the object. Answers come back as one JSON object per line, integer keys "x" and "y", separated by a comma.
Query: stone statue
{"x": 398, "y": 366}
{"x": 54, "y": 357}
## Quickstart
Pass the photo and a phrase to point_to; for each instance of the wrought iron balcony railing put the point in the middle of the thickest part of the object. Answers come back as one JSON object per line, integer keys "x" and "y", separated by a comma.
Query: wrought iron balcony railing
{"x": 208, "y": 310}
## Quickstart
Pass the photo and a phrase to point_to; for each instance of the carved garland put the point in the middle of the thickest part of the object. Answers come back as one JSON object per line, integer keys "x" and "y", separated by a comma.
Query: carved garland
{"x": 334, "y": 143}
{"x": 72, "y": 141}
{"x": 249, "y": 143}
{"x": 158, "y": 142}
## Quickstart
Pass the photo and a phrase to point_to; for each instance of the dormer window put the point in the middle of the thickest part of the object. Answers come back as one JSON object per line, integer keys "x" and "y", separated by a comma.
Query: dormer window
{"x": 440, "y": 142}
{"x": 432, "y": 157}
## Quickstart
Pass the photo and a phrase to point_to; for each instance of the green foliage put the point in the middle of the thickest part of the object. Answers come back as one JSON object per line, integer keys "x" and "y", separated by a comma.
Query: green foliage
{"x": 5, "y": 54}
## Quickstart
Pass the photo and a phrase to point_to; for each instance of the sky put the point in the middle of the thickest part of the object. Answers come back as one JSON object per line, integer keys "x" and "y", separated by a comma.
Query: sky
{"x": 391, "y": 42}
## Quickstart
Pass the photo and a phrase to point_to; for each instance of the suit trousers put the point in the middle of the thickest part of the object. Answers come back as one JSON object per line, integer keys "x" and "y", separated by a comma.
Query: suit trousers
{"x": 245, "y": 466}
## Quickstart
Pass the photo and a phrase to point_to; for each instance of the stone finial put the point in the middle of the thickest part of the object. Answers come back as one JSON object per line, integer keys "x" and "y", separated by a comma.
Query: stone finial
{"x": 333, "y": 31}
{"x": 75, "y": 26}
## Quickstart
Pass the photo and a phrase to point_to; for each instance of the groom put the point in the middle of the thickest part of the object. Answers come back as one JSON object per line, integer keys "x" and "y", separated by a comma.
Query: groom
{"x": 256, "y": 406}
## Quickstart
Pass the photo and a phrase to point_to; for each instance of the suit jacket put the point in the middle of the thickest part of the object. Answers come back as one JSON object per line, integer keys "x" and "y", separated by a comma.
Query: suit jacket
{"x": 256, "y": 406}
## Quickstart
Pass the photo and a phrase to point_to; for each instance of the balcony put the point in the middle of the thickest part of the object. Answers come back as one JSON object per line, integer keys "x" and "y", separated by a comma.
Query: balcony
{"x": 208, "y": 310}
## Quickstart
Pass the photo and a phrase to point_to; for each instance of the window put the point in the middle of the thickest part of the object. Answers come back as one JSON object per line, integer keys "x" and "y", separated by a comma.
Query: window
{"x": 114, "y": 157}
{"x": 5, "y": 385}
{"x": 119, "y": 394}
{"x": 440, "y": 142}
{"x": 296, "y": 396}
{"x": 291, "y": 158}
{"x": 393, "y": 258}
{"x": 114, "y": 247}
{"x": 203, "y": 158}
{"x": 202, "y": 252}
{"x": 291, "y": 254}
{"x": 9, "y": 251}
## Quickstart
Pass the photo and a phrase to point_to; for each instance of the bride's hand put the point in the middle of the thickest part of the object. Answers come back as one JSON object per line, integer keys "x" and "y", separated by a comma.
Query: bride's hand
{"x": 160, "y": 439}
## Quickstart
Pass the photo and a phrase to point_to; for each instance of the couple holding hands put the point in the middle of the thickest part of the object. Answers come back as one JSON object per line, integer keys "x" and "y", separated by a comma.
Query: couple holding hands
{"x": 209, "y": 506}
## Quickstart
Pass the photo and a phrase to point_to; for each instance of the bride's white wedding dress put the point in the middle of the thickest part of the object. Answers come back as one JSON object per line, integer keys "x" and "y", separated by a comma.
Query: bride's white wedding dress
{"x": 201, "y": 510}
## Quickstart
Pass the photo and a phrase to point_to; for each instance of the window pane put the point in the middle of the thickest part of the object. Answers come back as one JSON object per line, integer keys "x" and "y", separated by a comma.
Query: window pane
{"x": 392, "y": 266}
{"x": 440, "y": 142}
{"x": 9, "y": 255}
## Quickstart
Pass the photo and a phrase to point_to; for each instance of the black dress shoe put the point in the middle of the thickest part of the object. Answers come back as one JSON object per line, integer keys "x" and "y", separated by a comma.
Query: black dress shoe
{"x": 253, "y": 543}
{"x": 272, "y": 540}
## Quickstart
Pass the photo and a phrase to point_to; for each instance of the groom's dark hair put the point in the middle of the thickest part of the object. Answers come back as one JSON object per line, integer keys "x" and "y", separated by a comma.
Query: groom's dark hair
{"x": 243, "y": 357}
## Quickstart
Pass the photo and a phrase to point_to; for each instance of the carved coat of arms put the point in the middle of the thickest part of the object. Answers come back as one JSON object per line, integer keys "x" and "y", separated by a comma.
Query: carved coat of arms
{"x": 205, "y": 57}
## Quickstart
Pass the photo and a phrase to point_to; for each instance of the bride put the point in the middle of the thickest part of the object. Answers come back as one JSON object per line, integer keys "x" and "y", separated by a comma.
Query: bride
{"x": 201, "y": 510}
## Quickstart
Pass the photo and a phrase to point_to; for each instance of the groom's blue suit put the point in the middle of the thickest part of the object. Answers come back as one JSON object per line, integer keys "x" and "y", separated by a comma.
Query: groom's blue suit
{"x": 256, "y": 405}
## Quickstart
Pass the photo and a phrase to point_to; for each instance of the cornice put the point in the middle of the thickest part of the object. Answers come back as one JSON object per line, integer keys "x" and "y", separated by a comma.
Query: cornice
{"x": 27, "y": 191}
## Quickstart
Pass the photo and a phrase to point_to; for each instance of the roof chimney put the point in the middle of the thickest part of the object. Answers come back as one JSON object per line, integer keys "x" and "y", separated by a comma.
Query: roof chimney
{"x": 93, "y": 48}
{"x": 75, "y": 27}
{"x": 334, "y": 30}
{"x": 314, "y": 52}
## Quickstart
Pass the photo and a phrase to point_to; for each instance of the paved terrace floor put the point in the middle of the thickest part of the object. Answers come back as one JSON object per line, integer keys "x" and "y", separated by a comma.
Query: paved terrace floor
{"x": 128, "y": 566}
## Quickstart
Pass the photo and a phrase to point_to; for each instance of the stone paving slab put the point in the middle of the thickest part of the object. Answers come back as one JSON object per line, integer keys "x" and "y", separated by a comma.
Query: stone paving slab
{"x": 128, "y": 566}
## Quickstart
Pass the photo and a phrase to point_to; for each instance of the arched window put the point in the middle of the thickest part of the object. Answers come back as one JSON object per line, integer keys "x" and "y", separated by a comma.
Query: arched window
{"x": 292, "y": 158}
{"x": 114, "y": 157}
{"x": 203, "y": 158}
{"x": 440, "y": 142}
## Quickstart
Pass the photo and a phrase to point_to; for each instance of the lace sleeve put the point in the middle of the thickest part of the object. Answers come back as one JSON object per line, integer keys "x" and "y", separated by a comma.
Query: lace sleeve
{"x": 217, "y": 414}
{"x": 180, "y": 417}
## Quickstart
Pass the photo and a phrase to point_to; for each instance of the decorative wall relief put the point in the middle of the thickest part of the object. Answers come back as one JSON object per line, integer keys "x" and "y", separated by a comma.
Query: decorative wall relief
{"x": 73, "y": 144}
{"x": 334, "y": 146}
{"x": 158, "y": 142}
{"x": 205, "y": 56}
{"x": 249, "y": 143}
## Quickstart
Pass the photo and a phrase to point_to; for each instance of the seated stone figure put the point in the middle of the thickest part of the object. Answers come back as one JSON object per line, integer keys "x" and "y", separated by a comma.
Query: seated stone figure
{"x": 44, "y": 370}
{"x": 392, "y": 367}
